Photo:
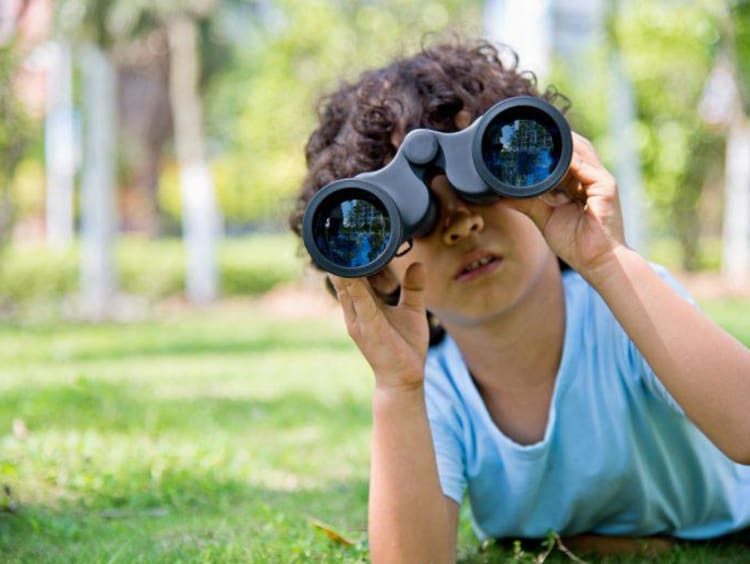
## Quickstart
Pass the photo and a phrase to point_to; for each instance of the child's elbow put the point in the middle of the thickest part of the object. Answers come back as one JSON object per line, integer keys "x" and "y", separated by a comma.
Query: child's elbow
{"x": 739, "y": 450}
{"x": 732, "y": 438}
{"x": 742, "y": 457}
{"x": 742, "y": 454}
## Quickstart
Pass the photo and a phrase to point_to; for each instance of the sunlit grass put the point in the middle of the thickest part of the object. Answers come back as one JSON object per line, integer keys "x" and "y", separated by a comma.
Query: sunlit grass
{"x": 202, "y": 438}
{"x": 213, "y": 436}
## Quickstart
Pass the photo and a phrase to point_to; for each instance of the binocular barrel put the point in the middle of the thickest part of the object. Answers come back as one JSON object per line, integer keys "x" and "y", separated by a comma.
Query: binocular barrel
{"x": 520, "y": 148}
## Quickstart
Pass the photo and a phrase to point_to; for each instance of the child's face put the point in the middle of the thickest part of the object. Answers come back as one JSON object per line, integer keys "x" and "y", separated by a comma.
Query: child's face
{"x": 480, "y": 261}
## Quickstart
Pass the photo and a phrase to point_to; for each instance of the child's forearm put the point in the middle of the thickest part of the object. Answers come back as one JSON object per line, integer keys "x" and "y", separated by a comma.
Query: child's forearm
{"x": 705, "y": 369}
{"x": 410, "y": 520}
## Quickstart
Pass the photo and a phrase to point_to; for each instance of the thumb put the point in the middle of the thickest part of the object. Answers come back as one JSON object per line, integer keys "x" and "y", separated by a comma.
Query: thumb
{"x": 412, "y": 287}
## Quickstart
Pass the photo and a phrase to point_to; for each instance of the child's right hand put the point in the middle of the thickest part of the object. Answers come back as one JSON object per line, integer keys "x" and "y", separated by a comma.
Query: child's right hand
{"x": 393, "y": 339}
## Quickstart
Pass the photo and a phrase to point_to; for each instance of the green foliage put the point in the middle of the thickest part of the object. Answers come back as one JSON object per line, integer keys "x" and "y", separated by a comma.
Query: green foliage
{"x": 31, "y": 272}
{"x": 87, "y": 20}
{"x": 732, "y": 314}
{"x": 28, "y": 188}
{"x": 16, "y": 131}
{"x": 739, "y": 24}
{"x": 273, "y": 263}
{"x": 589, "y": 96}
{"x": 669, "y": 50}
{"x": 155, "y": 269}
{"x": 263, "y": 107}
{"x": 14, "y": 124}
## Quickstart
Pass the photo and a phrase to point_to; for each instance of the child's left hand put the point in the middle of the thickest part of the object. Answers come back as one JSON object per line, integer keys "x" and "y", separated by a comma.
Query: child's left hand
{"x": 587, "y": 227}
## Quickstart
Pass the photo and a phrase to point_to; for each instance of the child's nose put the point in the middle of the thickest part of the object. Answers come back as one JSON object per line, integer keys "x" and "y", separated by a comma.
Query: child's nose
{"x": 460, "y": 222}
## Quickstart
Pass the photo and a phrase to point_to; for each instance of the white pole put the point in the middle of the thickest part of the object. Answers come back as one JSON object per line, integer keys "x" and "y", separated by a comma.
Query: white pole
{"x": 524, "y": 25}
{"x": 99, "y": 218}
{"x": 622, "y": 114}
{"x": 59, "y": 146}
{"x": 201, "y": 220}
{"x": 721, "y": 106}
{"x": 736, "y": 231}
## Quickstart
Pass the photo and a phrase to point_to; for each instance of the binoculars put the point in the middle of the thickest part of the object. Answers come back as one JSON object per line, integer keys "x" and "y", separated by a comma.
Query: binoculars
{"x": 520, "y": 148}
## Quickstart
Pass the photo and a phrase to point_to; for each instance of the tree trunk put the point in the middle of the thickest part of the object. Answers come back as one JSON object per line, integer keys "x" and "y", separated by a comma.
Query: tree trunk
{"x": 200, "y": 216}
{"x": 145, "y": 127}
{"x": 98, "y": 215}
{"x": 60, "y": 147}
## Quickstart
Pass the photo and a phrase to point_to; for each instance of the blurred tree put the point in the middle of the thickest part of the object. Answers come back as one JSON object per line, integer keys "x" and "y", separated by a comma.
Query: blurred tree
{"x": 60, "y": 149}
{"x": 146, "y": 118}
{"x": 15, "y": 136}
{"x": 84, "y": 23}
{"x": 668, "y": 49}
{"x": 98, "y": 213}
{"x": 622, "y": 135}
{"x": 739, "y": 20}
{"x": 200, "y": 217}
{"x": 182, "y": 20}
{"x": 113, "y": 21}
{"x": 145, "y": 128}
{"x": 730, "y": 88}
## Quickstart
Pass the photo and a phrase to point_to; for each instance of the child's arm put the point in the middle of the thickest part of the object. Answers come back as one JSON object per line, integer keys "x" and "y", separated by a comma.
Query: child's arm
{"x": 705, "y": 369}
{"x": 410, "y": 520}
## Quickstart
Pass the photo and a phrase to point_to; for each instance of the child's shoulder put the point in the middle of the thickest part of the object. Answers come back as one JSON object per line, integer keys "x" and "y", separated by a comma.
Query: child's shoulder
{"x": 581, "y": 297}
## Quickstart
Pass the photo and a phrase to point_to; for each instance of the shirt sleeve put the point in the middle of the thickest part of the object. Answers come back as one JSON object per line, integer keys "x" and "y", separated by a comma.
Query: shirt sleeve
{"x": 445, "y": 429}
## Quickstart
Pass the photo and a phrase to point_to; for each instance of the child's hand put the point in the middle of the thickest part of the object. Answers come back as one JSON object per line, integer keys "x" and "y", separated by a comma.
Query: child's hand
{"x": 586, "y": 228}
{"x": 393, "y": 339}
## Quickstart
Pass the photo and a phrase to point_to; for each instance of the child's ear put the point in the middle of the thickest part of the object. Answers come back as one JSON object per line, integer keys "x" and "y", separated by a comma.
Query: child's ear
{"x": 386, "y": 285}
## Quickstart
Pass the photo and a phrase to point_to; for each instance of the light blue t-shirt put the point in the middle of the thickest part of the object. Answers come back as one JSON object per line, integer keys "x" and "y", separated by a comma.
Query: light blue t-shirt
{"x": 618, "y": 456}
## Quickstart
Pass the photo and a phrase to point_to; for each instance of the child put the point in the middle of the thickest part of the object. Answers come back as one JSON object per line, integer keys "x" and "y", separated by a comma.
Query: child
{"x": 567, "y": 384}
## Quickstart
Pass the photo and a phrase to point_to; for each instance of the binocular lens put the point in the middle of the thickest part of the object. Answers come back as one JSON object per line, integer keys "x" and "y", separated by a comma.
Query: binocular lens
{"x": 521, "y": 150}
{"x": 352, "y": 231}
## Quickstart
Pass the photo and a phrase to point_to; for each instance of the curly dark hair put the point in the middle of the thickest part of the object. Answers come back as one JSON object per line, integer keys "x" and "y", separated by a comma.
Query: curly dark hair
{"x": 362, "y": 123}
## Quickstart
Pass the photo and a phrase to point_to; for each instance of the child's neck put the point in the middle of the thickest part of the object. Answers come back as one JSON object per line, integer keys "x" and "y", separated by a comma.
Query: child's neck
{"x": 514, "y": 359}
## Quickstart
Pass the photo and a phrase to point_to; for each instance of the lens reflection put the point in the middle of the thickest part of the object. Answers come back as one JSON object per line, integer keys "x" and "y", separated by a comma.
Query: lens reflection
{"x": 352, "y": 232}
{"x": 520, "y": 152}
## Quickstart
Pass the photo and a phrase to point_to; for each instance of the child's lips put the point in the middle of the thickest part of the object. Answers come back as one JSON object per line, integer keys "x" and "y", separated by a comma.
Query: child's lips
{"x": 477, "y": 265}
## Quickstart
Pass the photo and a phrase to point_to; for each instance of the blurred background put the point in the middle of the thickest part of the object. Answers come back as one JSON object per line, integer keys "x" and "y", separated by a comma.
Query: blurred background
{"x": 216, "y": 411}
{"x": 153, "y": 148}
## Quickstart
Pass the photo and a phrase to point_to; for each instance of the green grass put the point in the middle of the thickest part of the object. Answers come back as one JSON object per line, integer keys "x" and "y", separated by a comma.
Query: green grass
{"x": 208, "y": 437}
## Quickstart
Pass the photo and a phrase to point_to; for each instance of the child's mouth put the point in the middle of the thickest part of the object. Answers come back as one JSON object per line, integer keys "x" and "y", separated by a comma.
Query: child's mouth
{"x": 477, "y": 268}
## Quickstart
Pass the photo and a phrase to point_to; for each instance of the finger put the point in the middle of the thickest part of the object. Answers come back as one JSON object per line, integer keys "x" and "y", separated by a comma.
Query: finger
{"x": 589, "y": 174}
{"x": 345, "y": 300}
{"x": 412, "y": 288}
{"x": 364, "y": 303}
{"x": 568, "y": 190}
{"x": 385, "y": 285}
{"x": 584, "y": 149}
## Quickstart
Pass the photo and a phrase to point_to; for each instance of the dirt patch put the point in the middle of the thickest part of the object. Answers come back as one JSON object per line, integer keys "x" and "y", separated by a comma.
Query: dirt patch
{"x": 712, "y": 285}
{"x": 298, "y": 301}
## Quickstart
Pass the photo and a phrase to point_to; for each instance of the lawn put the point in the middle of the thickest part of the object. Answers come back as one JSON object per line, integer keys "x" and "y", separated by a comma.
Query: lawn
{"x": 221, "y": 436}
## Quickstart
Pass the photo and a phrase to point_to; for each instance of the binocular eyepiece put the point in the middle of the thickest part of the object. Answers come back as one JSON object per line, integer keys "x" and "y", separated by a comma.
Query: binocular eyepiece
{"x": 520, "y": 148}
